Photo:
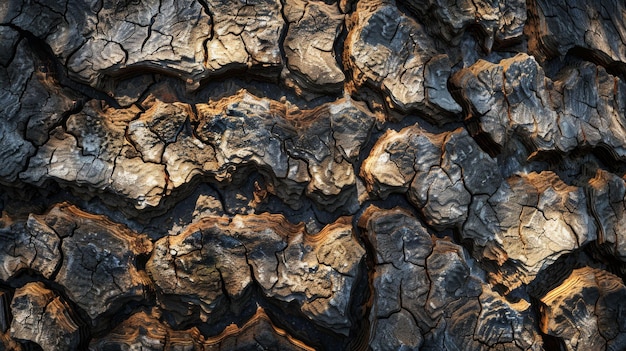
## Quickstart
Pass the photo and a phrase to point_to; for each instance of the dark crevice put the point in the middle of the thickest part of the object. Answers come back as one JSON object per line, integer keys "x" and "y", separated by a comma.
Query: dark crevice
{"x": 550, "y": 342}
{"x": 116, "y": 317}
{"x": 363, "y": 309}
{"x": 554, "y": 275}
{"x": 229, "y": 84}
{"x": 604, "y": 253}
{"x": 615, "y": 68}
{"x": 283, "y": 33}
{"x": 45, "y": 54}
{"x": 339, "y": 45}
{"x": 484, "y": 140}
{"x": 284, "y": 316}
{"x": 30, "y": 346}
{"x": 5, "y": 300}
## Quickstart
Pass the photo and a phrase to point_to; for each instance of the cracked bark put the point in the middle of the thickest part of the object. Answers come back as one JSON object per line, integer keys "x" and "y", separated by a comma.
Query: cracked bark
{"x": 312, "y": 175}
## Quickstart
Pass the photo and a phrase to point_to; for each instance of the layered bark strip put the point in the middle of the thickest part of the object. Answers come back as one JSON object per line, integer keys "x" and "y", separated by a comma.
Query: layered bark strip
{"x": 312, "y": 175}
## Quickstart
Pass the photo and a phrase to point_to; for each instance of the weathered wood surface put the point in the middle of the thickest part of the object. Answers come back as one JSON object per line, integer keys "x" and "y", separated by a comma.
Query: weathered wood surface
{"x": 312, "y": 175}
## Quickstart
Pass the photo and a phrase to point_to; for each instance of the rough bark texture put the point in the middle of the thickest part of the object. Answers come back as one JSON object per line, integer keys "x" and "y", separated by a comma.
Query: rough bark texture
{"x": 312, "y": 175}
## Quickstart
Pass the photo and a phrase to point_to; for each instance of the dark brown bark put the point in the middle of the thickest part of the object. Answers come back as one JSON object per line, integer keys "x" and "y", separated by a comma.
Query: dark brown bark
{"x": 312, "y": 175}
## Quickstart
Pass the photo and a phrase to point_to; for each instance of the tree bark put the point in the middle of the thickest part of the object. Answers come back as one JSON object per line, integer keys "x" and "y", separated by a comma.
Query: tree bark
{"x": 313, "y": 175}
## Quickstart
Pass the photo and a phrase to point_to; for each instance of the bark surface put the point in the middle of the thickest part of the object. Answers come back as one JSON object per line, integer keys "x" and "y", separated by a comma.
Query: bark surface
{"x": 312, "y": 175}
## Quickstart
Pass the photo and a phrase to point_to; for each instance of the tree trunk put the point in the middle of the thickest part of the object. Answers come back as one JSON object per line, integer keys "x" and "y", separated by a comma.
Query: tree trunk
{"x": 312, "y": 175}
